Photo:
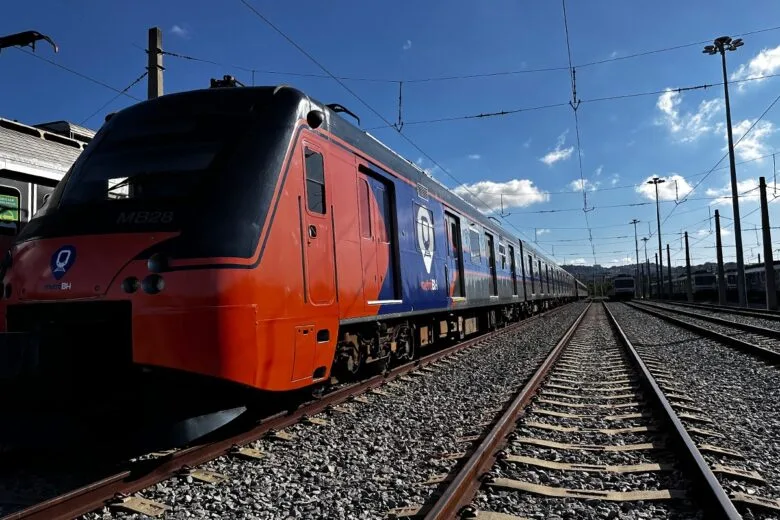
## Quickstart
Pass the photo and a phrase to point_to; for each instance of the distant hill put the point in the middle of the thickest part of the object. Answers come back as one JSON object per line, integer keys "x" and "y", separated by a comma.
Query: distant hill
{"x": 586, "y": 272}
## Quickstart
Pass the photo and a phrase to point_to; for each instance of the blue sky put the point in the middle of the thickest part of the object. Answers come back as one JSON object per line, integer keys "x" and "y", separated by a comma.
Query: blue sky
{"x": 529, "y": 157}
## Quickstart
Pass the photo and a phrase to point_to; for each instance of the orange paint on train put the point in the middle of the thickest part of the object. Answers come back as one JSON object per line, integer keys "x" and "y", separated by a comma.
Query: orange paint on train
{"x": 256, "y": 327}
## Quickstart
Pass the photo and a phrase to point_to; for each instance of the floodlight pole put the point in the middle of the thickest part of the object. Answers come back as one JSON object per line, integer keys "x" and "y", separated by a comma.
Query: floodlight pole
{"x": 656, "y": 181}
{"x": 720, "y": 46}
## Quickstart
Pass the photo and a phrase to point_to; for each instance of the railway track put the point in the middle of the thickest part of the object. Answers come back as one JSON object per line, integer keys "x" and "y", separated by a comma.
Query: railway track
{"x": 763, "y": 314}
{"x": 759, "y": 341}
{"x": 596, "y": 426}
{"x": 117, "y": 489}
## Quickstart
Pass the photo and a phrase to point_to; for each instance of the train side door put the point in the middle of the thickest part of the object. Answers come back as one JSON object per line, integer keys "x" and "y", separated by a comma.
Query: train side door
{"x": 454, "y": 255}
{"x": 320, "y": 274}
{"x": 492, "y": 264}
{"x": 377, "y": 240}
{"x": 513, "y": 269}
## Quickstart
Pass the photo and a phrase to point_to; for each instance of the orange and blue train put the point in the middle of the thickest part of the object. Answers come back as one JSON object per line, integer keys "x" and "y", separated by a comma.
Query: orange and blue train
{"x": 255, "y": 236}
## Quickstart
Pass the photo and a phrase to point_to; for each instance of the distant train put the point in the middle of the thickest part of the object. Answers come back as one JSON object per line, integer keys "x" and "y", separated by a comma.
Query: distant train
{"x": 704, "y": 286}
{"x": 252, "y": 237}
{"x": 623, "y": 287}
{"x": 755, "y": 282}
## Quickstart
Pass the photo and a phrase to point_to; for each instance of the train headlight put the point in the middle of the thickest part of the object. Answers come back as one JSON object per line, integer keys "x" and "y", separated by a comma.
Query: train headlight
{"x": 130, "y": 284}
{"x": 157, "y": 263}
{"x": 153, "y": 284}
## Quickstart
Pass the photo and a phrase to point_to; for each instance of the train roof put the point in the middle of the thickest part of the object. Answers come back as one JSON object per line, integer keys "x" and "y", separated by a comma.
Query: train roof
{"x": 68, "y": 129}
{"x": 34, "y": 151}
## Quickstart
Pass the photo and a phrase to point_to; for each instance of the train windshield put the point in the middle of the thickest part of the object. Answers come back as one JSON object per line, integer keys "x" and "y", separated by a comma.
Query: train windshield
{"x": 159, "y": 155}
{"x": 705, "y": 279}
{"x": 624, "y": 283}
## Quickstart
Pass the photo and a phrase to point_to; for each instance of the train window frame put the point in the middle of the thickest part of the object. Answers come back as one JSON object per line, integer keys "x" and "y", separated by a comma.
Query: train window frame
{"x": 309, "y": 181}
{"x": 364, "y": 213}
{"x": 502, "y": 255}
{"x": 476, "y": 252}
{"x": 11, "y": 227}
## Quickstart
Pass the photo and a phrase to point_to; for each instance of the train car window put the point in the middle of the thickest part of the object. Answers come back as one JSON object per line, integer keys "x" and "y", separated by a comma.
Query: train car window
{"x": 502, "y": 255}
{"x": 531, "y": 273}
{"x": 10, "y": 202}
{"x": 474, "y": 244}
{"x": 547, "y": 275}
{"x": 541, "y": 283}
{"x": 42, "y": 194}
{"x": 384, "y": 210}
{"x": 315, "y": 182}
{"x": 365, "y": 208}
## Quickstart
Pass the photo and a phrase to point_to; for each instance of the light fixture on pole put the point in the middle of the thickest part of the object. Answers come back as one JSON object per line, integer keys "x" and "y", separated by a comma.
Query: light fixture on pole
{"x": 720, "y": 46}
{"x": 657, "y": 181}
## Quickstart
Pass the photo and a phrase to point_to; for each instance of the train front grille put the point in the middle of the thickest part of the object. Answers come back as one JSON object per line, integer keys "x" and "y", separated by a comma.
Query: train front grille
{"x": 75, "y": 338}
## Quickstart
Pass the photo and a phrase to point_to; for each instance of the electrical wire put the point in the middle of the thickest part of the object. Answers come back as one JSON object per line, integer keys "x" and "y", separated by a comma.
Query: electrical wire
{"x": 76, "y": 73}
{"x": 124, "y": 90}
{"x": 369, "y": 107}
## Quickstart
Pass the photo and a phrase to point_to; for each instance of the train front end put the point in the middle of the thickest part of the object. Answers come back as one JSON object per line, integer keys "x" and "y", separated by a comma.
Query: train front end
{"x": 134, "y": 283}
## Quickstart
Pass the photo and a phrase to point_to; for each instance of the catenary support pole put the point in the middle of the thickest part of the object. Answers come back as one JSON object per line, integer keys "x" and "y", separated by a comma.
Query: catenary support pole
{"x": 721, "y": 272}
{"x": 689, "y": 281}
{"x": 769, "y": 264}
{"x": 670, "y": 295}
{"x": 155, "y": 64}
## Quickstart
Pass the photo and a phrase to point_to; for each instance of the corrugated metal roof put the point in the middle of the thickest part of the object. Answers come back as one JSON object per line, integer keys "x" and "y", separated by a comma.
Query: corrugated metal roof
{"x": 69, "y": 129}
{"x": 33, "y": 151}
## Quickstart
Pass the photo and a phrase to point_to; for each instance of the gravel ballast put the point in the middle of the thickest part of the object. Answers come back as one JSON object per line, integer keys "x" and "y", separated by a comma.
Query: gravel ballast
{"x": 375, "y": 456}
{"x": 740, "y": 393}
{"x": 600, "y": 358}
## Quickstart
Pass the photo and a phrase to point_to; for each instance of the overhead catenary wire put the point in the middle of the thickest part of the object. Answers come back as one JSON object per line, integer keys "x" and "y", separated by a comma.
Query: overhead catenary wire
{"x": 372, "y": 109}
{"x": 77, "y": 73}
{"x": 124, "y": 90}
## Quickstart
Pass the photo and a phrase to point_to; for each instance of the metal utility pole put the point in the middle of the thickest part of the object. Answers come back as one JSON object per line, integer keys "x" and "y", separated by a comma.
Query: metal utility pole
{"x": 647, "y": 271}
{"x": 669, "y": 272}
{"x": 721, "y": 272}
{"x": 769, "y": 263}
{"x": 721, "y": 45}
{"x": 658, "y": 280}
{"x": 656, "y": 181}
{"x": 155, "y": 64}
{"x": 689, "y": 281}
{"x": 636, "y": 244}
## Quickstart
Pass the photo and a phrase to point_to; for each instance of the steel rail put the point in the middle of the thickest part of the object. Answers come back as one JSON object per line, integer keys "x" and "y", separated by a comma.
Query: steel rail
{"x": 465, "y": 484}
{"x": 728, "y": 309}
{"x": 148, "y": 473}
{"x": 766, "y": 354}
{"x": 714, "y": 498}
{"x": 753, "y": 329}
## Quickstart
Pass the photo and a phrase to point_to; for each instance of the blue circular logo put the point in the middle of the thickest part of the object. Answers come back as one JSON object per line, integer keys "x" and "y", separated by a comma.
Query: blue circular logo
{"x": 62, "y": 260}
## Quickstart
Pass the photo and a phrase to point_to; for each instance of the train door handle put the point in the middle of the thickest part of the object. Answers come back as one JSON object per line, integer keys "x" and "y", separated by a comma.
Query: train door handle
{"x": 312, "y": 231}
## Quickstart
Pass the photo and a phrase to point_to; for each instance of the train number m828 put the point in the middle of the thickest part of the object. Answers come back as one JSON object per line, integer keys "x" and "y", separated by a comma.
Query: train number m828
{"x": 145, "y": 217}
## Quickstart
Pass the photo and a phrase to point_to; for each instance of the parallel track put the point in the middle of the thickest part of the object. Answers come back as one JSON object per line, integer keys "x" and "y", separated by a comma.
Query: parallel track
{"x": 575, "y": 357}
{"x": 149, "y": 472}
{"x": 757, "y": 341}
{"x": 764, "y": 314}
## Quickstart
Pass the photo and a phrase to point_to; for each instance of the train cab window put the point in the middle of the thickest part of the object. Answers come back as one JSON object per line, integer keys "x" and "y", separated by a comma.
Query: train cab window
{"x": 474, "y": 245}
{"x": 384, "y": 209}
{"x": 365, "y": 209}
{"x": 315, "y": 182}
{"x": 10, "y": 200}
{"x": 502, "y": 255}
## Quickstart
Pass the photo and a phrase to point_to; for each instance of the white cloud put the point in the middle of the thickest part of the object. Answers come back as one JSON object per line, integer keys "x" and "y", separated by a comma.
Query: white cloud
{"x": 747, "y": 189}
{"x": 542, "y": 231}
{"x": 667, "y": 190}
{"x": 578, "y": 261}
{"x": 621, "y": 261}
{"x": 764, "y": 63}
{"x": 689, "y": 126}
{"x": 407, "y": 45}
{"x": 753, "y": 146}
{"x": 559, "y": 153}
{"x": 599, "y": 170}
{"x": 527, "y": 143}
{"x": 516, "y": 193}
{"x": 613, "y": 55}
{"x": 724, "y": 232}
{"x": 181, "y": 32}
{"x": 475, "y": 156}
{"x": 615, "y": 179}
{"x": 577, "y": 185}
